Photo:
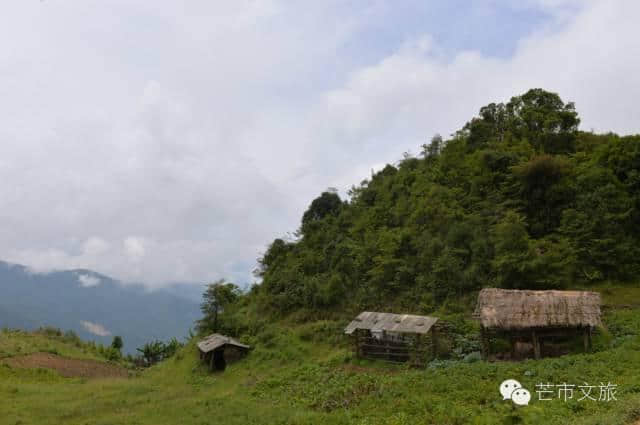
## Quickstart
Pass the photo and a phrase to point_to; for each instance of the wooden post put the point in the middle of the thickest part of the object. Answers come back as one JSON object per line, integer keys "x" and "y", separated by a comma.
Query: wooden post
{"x": 484, "y": 343}
{"x": 211, "y": 360}
{"x": 386, "y": 345}
{"x": 587, "y": 338}
{"x": 413, "y": 349}
{"x": 357, "y": 341}
{"x": 434, "y": 342}
{"x": 536, "y": 345}
{"x": 512, "y": 340}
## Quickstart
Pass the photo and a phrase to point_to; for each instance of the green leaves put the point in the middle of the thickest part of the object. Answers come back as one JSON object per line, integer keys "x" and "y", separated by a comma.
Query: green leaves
{"x": 328, "y": 203}
{"x": 117, "y": 343}
{"x": 518, "y": 198}
{"x": 218, "y": 296}
{"x": 156, "y": 351}
{"x": 538, "y": 116}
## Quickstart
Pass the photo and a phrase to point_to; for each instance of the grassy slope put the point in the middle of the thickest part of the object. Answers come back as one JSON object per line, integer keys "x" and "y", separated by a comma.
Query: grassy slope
{"x": 15, "y": 343}
{"x": 291, "y": 379}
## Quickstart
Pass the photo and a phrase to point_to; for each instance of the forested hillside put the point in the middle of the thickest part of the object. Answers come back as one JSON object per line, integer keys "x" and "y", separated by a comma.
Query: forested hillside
{"x": 518, "y": 198}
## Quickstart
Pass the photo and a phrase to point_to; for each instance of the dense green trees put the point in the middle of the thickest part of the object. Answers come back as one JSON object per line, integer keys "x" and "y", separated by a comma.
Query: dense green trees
{"x": 328, "y": 203}
{"x": 539, "y": 117}
{"x": 519, "y": 198}
{"x": 117, "y": 343}
{"x": 217, "y": 297}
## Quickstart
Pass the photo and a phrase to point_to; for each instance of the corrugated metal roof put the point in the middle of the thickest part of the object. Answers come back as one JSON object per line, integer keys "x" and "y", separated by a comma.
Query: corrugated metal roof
{"x": 214, "y": 341}
{"x": 402, "y": 323}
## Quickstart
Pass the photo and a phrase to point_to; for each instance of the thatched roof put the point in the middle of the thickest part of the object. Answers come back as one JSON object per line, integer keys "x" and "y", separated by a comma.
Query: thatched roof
{"x": 511, "y": 309}
{"x": 215, "y": 341}
{"x": 401, "y": 323}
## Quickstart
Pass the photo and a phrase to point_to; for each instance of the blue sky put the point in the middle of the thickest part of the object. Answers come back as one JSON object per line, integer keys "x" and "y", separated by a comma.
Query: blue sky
{"x": 172, "y": 141}
{"x": 379, "y": 28}
{"x": 492, "y": 28}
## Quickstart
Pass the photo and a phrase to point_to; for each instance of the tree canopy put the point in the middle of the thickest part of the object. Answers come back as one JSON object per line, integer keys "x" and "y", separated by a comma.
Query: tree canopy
{"x": 216, "y": 298}
{"x": 518, "y": 198}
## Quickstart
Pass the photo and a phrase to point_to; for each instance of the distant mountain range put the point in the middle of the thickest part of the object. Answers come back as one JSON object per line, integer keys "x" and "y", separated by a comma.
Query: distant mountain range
{"x": 95, "y": 306}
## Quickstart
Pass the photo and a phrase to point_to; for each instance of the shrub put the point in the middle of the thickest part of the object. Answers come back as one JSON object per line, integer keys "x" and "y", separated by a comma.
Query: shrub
{"x": 472, "y": 357}
{"x": 112, "y": 354}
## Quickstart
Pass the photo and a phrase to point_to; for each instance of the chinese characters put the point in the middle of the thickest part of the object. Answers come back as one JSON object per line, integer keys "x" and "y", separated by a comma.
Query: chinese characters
{"x": 586, "y": 392}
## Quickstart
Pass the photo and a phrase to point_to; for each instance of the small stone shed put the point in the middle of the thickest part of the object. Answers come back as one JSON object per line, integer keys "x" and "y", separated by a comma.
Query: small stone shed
{"x": 394, "y": 337}
{"x": 536, "y": 316}
{"x": 216, "y": 350}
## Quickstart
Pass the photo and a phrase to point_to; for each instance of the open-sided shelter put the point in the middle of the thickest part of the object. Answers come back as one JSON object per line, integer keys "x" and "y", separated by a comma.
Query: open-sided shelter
{"x": 216, "y": 350}
{"x": 394, "y": 337}
{"x": 536, "y": 316}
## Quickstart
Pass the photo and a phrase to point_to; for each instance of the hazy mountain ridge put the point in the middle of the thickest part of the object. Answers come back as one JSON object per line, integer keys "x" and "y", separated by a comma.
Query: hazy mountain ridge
{"x": 93, "y": 305}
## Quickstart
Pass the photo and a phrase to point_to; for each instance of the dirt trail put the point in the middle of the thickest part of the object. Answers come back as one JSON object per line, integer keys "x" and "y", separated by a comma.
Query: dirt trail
{"x": 70, "y": 368}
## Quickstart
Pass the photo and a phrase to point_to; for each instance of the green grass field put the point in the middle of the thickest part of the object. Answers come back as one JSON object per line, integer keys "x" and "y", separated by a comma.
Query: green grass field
{"x": 305, "y": 374}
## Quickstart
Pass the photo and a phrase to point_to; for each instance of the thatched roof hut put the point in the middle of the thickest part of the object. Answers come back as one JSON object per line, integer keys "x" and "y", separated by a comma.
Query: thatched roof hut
{"x": 522, "y": 309}
{"x": 537, "y": 314}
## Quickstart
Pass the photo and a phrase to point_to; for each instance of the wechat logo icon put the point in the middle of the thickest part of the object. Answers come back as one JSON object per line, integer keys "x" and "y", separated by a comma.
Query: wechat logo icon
{"x": 512, "y": 390}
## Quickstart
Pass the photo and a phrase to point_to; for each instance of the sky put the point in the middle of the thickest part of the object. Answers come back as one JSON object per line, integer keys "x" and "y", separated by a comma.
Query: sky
{"x": 172, "y": 141}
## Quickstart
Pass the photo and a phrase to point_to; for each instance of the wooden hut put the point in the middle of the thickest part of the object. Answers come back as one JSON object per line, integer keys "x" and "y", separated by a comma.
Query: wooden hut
{"x": 536, "y": 316}
{"x": 216, "y": 350}
{"x": 394, "y": 337}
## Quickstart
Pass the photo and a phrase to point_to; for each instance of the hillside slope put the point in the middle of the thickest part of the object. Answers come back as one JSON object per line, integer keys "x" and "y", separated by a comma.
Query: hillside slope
{"x": 305, "y": 374}
{"x": 518, "y": 198}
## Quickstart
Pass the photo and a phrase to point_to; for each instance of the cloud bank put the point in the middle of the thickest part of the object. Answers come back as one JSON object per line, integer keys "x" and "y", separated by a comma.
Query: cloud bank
{"x": 159, "y": 143}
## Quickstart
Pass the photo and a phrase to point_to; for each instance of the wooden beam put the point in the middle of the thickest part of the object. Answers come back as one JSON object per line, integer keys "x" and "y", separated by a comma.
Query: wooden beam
{"x": 587, "y": 338}
{"x": 512, "y": 341}
{"x": 386, "y": 344}
{"x": 536, "y": 345}
{"x": 413, "y": 357}
{"x": 485, "y": 344}
{"x": 434, "y": 341}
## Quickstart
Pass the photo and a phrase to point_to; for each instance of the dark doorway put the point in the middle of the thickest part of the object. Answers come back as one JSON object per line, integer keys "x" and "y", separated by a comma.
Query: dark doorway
{"x": 218, "y": 360}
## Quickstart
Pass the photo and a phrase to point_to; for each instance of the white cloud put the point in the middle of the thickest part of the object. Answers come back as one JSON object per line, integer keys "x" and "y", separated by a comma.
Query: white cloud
{"x": 95, "y": 328}
{"x": 88, "y": 281}
{"x": 134, "y": 248}
{"x": 95, "y": 246}
{"x": 155, "y": 142}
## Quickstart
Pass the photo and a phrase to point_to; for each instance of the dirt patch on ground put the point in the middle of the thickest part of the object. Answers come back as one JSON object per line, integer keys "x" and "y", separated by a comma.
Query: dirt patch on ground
{"x": 70, "y": 368}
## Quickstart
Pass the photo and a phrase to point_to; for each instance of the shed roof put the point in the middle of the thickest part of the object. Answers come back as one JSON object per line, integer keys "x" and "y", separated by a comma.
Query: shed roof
{"x": 511, "y": 309}
{"x": 214, "y": 341}
{"x": 403, "y": 323}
